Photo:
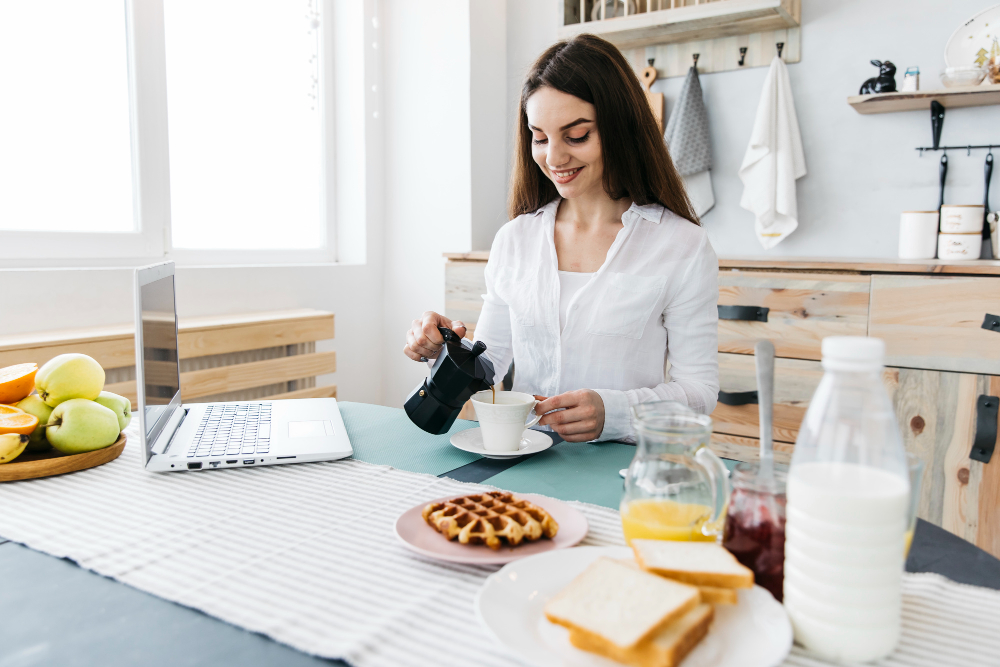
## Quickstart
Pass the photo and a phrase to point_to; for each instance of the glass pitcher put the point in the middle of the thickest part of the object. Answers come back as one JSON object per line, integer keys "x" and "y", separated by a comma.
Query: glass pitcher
{"x": 676, "y": 488}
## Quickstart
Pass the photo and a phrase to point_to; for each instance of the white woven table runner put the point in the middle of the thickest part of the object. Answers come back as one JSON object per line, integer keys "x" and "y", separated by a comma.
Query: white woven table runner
{"x": 306, "y": 554}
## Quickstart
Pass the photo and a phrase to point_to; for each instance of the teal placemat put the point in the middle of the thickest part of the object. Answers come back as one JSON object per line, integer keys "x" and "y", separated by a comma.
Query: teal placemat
{"x": 386, "y": 436}
{"x": 571, "y": 471}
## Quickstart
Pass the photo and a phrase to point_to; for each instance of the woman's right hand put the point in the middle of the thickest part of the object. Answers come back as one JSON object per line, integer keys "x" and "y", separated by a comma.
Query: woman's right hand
{"x": 424, "y": 341}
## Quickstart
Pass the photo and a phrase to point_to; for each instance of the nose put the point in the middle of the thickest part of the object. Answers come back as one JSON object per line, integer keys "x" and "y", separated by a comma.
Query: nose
{"x": 557, "y": 155}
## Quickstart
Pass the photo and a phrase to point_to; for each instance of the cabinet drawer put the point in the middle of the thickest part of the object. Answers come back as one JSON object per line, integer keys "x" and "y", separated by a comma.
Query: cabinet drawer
{"x": 740, "y": 448}
{"x": 937, "y": 415}
{"x": 936, "y": 323}
{"x": 795, "y": 382}
{"x": 464, "y": 287}
{"x": 803, "y": 310}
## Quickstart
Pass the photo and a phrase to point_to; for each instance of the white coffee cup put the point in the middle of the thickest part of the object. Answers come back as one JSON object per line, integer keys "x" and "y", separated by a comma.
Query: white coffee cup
{"x": 503, "y": 422}
{"x": 918, "y": 231}
{"x": 961, "y": 219}
{"x": 960, "y": 246}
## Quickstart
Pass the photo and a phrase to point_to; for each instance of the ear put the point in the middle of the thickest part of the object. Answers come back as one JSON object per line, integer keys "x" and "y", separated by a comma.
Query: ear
{"x": 877, "y": 63}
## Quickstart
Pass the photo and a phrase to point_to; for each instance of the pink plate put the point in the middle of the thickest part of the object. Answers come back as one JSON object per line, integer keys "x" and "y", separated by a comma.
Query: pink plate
{"x": 417, "y": 535}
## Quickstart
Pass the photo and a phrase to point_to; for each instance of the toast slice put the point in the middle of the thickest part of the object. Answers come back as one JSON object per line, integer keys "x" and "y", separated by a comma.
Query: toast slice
{"x": 619, "y": 605}
{"x": 666, "y": 648}
{"x": 709, "y": 594}
{"x": 696, "y": 563}
{"x": 715, "y": 595}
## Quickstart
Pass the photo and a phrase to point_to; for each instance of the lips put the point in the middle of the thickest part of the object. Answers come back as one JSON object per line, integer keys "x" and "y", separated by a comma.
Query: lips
{"x": 564, "y": 176}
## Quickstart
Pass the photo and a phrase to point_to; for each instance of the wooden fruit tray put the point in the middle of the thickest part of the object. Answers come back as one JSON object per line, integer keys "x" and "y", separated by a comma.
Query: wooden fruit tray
{"x": 47, "y": 464}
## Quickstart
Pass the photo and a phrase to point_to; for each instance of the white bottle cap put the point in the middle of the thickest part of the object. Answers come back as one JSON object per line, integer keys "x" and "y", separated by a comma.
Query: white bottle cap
{"x": 853, "y": 353}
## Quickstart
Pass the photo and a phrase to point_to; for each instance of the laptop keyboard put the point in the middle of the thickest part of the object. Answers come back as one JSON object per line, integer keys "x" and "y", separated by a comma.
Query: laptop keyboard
{"x": 233, "y": 428}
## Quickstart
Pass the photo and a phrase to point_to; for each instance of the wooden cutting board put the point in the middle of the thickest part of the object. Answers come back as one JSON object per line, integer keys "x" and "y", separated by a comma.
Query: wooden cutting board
{"x": 47, "y": 464}
{"x": 655, "y": 99}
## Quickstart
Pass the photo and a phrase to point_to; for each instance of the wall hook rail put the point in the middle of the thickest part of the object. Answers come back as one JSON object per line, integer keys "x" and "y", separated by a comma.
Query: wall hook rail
{"x": 743, "y": 55}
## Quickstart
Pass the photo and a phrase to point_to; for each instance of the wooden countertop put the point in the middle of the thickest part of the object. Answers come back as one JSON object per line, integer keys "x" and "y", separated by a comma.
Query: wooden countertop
{"x": 989, "y": 267}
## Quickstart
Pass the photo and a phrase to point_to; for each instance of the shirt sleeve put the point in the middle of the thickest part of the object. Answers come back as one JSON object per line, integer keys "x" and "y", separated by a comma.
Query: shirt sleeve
{"x": 691, "y": 320}
{"x": 493, "y": 327}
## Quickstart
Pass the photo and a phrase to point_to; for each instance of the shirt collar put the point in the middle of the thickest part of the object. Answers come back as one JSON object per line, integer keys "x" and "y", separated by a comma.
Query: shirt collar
{"x": 652, "y": 212}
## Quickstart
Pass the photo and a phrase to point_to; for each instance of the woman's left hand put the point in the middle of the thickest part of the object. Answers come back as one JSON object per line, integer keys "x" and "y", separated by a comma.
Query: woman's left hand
{"x": 580, "y": 415}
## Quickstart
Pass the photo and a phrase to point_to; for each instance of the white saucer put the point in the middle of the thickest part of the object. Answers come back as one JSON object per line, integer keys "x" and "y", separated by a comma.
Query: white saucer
{"x": 471, "y": 440}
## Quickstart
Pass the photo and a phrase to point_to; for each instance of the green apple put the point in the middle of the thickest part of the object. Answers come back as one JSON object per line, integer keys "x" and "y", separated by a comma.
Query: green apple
{"x": 36, "y": 406}
{"x": 121, "y": 406}
{"x": 79, "y": 425}
{"x": 69, "y": 376}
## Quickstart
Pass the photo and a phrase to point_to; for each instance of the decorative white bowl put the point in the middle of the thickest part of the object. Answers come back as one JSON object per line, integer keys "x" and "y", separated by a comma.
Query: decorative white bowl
{"x": 952, "y": 77}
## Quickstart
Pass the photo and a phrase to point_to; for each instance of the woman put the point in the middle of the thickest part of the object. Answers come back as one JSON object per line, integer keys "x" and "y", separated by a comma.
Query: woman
{"x": 604, "y": 273}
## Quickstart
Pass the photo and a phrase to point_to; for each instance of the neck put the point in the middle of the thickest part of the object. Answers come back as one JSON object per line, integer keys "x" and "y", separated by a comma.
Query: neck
{"x": 594, "y": 210}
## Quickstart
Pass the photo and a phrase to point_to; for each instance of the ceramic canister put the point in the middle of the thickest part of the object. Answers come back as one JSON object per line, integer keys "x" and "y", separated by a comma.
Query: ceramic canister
{"x": 918, "y": 231}
{"x": 961, "y": 219}
{"x": 960, "y": 246}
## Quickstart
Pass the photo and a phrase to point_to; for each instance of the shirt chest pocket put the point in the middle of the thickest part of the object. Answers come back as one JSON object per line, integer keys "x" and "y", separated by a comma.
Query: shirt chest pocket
{"x": 519, "y": 292}
{"x": 626, "y": 305}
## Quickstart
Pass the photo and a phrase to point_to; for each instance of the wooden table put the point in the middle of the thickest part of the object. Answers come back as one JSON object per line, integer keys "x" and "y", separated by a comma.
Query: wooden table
{"x": 57, "y": 613}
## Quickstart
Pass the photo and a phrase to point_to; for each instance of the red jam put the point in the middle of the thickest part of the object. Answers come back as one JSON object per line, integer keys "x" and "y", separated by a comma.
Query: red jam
{"x": 755, "y": 530}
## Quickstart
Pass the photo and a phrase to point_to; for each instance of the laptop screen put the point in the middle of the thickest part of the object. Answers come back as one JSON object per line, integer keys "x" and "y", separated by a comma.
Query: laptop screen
{"x": 159, "y": 352}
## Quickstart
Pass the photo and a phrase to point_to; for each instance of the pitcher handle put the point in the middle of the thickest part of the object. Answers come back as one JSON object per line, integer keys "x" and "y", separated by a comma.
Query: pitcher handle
{"x": 719, "y": 477}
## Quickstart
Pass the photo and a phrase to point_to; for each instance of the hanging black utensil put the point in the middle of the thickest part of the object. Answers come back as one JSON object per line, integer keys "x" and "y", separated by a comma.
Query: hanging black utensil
{"x": 943, "y": 171}
{"x": 987, "y": 251}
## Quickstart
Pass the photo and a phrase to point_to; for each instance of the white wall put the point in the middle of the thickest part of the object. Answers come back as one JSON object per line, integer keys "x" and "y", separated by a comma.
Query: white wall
{"x": 862, "y": 169}
{"x": 428, "y": 204}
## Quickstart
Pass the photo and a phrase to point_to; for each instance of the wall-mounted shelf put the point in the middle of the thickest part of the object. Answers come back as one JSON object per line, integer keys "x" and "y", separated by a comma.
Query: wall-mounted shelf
{"x": 966, "y": 96}
{"x": 706, "y": 20}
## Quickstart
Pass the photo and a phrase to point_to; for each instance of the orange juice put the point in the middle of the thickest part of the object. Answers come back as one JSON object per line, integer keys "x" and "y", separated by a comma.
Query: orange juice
{"x": 652, "y": 519}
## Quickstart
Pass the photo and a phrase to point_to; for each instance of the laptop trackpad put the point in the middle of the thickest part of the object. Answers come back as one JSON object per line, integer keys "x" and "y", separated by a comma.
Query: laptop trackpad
{"x": 310, "y": 429}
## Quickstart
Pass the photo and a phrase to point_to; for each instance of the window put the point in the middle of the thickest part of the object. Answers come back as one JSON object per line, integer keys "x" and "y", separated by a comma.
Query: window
{"x": 191, "y": 129}
{"x": 245, "y": 118}
{"x": 64, "y": 121}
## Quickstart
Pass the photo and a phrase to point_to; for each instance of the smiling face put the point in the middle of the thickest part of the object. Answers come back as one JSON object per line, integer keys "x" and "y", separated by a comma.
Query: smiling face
{"x": 564, "y": 142}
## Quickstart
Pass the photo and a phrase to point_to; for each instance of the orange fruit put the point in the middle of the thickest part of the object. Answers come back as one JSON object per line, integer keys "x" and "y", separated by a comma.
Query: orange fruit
{"x": 18, "y": 422}
{"x": 16, "y": 382}
{"x": 9, "y": 410}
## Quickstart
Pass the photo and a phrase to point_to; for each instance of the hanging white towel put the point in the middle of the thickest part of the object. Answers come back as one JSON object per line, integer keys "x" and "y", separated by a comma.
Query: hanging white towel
{"x": 773, "y": 161}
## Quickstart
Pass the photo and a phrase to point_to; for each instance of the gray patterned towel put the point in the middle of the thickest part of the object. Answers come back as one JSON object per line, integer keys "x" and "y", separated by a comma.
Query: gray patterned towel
{"x": 687, "y": 129}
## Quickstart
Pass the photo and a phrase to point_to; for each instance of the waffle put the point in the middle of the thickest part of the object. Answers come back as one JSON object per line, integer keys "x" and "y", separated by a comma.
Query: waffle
{"x": 488, "y": 518}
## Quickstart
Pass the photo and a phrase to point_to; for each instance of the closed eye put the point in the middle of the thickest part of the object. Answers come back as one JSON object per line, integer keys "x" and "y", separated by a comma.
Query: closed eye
{"x": 578, "y": 140}
{"x": 538, "y": 142}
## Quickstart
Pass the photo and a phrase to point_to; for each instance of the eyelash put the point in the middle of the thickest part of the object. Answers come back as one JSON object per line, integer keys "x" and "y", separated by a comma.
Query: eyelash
{"x": 572, "y": 140}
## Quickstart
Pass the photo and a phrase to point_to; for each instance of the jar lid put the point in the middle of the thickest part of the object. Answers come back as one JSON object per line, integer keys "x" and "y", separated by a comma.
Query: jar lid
{"x": 853, "y": 353}
{"x": 744, "y": 477}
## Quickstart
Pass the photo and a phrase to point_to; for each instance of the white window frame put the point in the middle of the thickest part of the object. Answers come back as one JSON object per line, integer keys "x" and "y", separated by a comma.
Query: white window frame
{"x": 150, "y": 241}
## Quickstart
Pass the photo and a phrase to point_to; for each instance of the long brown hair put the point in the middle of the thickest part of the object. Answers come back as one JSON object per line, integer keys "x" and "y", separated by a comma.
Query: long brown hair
{"x": 636, "y": 162}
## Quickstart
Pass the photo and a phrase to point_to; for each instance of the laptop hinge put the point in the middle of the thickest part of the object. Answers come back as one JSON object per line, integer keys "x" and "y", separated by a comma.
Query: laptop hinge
{"x": 169, "y": 429}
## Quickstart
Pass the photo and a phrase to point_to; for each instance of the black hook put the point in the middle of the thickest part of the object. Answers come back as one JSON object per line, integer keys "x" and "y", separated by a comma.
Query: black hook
{"x": 780, "y": 46}
{"x": 937, "y": 122}
{"x": 743, "y": 55}
{"x": 651, "y": 61}
{"x": 968, "y": 151}
{"x": 695, "y": 56}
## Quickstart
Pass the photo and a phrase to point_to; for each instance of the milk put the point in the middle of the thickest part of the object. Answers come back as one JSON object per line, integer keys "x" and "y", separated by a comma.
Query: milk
{"x": 844, "y": 551}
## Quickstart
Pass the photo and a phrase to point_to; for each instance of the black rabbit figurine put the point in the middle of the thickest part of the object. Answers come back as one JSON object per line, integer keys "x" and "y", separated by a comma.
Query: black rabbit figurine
{"x": 885, "y": 82}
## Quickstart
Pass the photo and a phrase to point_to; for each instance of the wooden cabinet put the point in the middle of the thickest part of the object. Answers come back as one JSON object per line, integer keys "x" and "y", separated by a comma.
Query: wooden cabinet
{"x": 940, "y": 360}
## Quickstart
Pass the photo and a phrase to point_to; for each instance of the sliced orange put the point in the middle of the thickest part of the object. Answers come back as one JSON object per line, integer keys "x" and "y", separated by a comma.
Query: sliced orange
{"x": 9, "y": 410}
{"x": 18, "y": 422}
{"x": 16, "y": 382}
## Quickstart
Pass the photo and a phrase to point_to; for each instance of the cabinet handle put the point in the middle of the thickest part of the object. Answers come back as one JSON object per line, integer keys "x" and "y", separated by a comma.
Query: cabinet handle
{"x": 991, "y": 322}
{"x": 986, "y": 428}
{"x": 746, "y": 313}
{"x": 737, "y": 397}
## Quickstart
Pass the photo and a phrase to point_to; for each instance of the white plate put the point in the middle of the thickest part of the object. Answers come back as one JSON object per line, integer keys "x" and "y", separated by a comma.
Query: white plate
{"x": 471, "y": 440}
{"x": 755, "y": 632}
{"x": 976, "y": 33}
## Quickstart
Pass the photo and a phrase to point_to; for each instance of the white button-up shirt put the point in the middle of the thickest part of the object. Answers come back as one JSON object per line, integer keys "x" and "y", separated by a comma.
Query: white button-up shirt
{"x": 652, "y": 301}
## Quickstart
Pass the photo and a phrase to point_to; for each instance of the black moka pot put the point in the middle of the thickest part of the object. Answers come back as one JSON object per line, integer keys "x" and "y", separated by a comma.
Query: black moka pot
{"x": 460, "y": 371}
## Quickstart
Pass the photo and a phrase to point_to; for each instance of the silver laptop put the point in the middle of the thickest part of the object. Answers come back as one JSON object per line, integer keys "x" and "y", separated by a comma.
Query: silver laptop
{"x": 202, "y": 436}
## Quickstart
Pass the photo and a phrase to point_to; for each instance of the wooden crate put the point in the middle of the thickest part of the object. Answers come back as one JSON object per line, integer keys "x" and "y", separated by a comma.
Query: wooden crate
{"x": 236, "y": 357}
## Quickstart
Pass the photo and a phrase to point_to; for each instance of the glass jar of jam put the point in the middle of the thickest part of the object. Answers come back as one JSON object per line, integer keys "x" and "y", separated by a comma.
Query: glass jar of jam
{"x": 755, "y": 525}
